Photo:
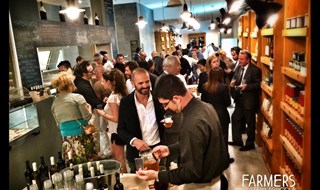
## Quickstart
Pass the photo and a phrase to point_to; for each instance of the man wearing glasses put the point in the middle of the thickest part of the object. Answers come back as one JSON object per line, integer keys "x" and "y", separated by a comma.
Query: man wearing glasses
{"x": 140, "y": 115}
{"x": 202, "y": 152}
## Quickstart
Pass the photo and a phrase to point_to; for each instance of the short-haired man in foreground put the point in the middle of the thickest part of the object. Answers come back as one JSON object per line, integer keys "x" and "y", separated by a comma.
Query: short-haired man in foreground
{"x": 202, "y": 151}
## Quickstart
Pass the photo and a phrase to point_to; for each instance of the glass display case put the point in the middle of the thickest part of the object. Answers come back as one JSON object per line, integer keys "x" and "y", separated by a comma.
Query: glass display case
{"x": 23, "y": 121}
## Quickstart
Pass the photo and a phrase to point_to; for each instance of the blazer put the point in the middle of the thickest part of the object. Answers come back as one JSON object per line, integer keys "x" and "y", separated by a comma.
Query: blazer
{"x": 129, "y": 125}
{"x": 251, "y": 96}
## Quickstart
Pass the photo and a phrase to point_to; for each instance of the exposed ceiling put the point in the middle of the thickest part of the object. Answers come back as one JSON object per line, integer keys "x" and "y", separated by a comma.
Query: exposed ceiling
{"x": 203, "y": 10}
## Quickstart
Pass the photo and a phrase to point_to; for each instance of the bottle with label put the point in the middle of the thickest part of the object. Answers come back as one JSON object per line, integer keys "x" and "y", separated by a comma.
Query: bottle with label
{"x": 271, "y": 48}
{"x": 70, "y": 160}
{"x": 36, "y": 175}
{"x": 118, "y": 185}
{"x": 62, "y": 16}
{"x": 267, "y": 48}
{"x": 60, "y": 162}
{"x": 85, "y": 18}
{"x": 43, "y": 170}
{"x": 43, "y": 12}
{"x": 96, "y": 19}
{"x": 53, "y": 167}
{"x": 28, "y": 174}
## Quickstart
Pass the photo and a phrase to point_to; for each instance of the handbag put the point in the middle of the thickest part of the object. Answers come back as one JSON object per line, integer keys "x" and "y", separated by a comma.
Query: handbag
{"x": 88, "y": 129}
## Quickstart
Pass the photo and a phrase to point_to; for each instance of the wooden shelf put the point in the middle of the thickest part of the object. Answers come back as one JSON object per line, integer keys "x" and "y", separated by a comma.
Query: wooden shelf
{"x": 291, "y": 151}
{"x": 266, "y": 115}
{"x": 295, "y": 32}
{"x": 293, "y": 114}
{"x": 291, "y": 184}
{"x": 245, "y": 34}
{"x": 290, "y": 72}
{"x": 266, "y": 88}
{"x": 254, "y": 56}
{"x": 265, "y": 60}
{"x": 267, "y": 32}
{"x": 268, "y": 142}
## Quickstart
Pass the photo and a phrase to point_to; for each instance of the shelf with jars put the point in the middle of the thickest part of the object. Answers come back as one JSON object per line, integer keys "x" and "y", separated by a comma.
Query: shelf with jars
{"x": 165, "y": 42}
{"x": 295, "y": 103}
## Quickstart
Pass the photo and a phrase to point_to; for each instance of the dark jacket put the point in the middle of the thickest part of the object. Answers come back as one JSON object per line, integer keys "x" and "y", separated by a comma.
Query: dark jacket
{"x": 129, "y": 125}
{"x": 84, "y": 87}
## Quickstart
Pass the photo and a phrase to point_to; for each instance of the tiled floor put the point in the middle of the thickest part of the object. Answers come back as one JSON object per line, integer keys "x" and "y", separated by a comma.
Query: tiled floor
{"x": 247, "y": 166}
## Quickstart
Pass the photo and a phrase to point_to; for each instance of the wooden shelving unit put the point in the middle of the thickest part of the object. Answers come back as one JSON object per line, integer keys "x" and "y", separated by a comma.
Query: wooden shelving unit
{"x": 165, "y": 41}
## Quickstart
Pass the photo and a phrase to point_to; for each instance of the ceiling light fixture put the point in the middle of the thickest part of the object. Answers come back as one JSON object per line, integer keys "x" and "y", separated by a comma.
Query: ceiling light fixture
{"x": 174, "y": 3}
{"x": 141, "y": 23}
{"x": 71, "y": 11}
{"x": 264, "y": 11}
{"x": 226, "y": 18}
{"x": 185, "y": 15}
{"x": 235, "y": 5}
{"x": 184, "y": 26}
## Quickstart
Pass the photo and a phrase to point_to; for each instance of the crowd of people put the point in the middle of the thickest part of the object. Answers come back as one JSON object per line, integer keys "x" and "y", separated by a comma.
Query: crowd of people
{"x": 126, "y": 102}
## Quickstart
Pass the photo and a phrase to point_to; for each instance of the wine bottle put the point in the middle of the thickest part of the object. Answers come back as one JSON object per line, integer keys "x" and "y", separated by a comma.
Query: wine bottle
{"x": 92, "y": 173}
{"x": 271, "y": 48}
{"x": 53, "y": 167}
{"x": 80, "y": 182}
{"x": 85, "y": 18}
{"x": 62, "y": 16}
{"x": 101, "y": 184}
{"x": 96, "y": 19}
{"x": 36, "y": 175}
{"x": 28, "y": 174}
{"x": 43, "y": 170}
{"x": 47, "y": 185}
{"x": 70, "y": 160}
{"x": 34, "y": 185}
{"x": 60, "y": 162}
{"x": 118, "y": 185}
{"x": 57, "y": 180}
{"x": 267, "y": 48}
{"x": 43, "y": 12}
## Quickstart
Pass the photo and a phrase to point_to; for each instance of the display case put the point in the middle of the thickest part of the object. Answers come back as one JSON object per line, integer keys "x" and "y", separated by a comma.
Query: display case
{"x": 23, "y": 122}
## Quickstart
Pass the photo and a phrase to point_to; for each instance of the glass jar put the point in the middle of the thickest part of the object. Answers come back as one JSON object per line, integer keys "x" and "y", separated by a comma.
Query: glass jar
{"x": 149, "y": 161}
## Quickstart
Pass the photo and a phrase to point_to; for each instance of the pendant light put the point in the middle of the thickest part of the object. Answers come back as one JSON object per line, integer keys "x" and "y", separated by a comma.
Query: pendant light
{"x": 184, "y": 26}
{"x": 263, "y": 10}
{"x": 141, "y": 23}
{"x": 72, "y": 11}
{"x": 185, "y": 15}
{"x": 174, "y": 3}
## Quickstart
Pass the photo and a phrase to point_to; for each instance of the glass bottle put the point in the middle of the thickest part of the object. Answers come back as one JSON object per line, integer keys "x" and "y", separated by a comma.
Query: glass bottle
{"x": 47, "y": 185}
{"x": 118, "y": 185}
{"x": 43, "y": 170}
{"x": 43, "y": 12}
{"x": 80, "y": 182}
{"x": 62, "y": 17}
{"x": 28, "y": 174}
{"x": 60, "y": 162}
{"x": 70, "y": 160}
{"x": 267, "y": 48}
{"x": 36, "y": 175}
{"x": 149, "y": 160}
{"x": 85, "y": 18}
{"x": 57, "y": 181}
{"x": 96, "y": 19}
{"x": 53, "y": 167}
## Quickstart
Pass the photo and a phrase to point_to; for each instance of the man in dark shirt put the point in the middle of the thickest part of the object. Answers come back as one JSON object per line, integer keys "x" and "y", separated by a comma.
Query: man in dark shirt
{"x": 203, "y": 155}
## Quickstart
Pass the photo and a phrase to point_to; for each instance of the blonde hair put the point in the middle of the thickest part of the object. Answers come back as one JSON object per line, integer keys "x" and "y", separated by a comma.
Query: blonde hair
{"x": 63, "y": 81}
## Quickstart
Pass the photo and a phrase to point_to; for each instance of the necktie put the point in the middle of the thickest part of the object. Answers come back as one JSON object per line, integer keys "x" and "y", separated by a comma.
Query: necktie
{"x": 241, "y": 74}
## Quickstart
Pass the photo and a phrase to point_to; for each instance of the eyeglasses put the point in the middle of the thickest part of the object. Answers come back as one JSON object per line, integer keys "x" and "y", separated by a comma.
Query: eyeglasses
{"x": 164, "y": 105}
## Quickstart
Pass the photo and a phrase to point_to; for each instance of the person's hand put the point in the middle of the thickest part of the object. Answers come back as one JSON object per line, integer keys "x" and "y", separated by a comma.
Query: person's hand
{"x": 244, "y": 86}
{"x": 232, "y": 83}
{"x": 147, "y": 174}
{"x": 160, "y": 151}
{"x": 89, "y": 107}
{"x": 105, "y": 99}
{"x": 100, "y": 112}
{"x": 140, "y": 145}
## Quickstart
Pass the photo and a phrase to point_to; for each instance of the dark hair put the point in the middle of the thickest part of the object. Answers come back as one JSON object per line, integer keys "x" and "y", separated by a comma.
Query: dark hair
{"x": 185, "y": 51}
{"x": 81, "y": 68}
{"x": 65, "y": 63}
{"x": 138, "y": 49}
{"x": 132, "y": 65}
{"x": 120, "y": 55}
{"x": 79, "y": 58}
{"x": 202, "y": 62}
{"x": 117, "y": 78}
{"x": 175, "y": 53}
{"x": 215, "y": 76}
{"x": 103, "y": 52}
{"x": 144, "y": 64}
{"x": 236, "y": 49}
{"x": 168, "y": 86}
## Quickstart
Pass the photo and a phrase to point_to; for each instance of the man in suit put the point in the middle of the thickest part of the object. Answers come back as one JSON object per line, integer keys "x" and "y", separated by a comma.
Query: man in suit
{"x": 139, "y": 118}
{"x": 245, "y": 88}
